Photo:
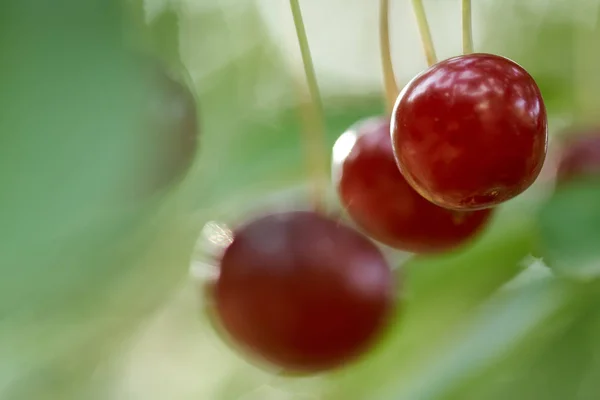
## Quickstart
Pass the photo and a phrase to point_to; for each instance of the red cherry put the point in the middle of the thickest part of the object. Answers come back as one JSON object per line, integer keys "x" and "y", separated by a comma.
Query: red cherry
{"x": 384, "y": 205}
{"x": 303, "y": 292}
{"x": 470, "y": 132}
{"x": 580, "y": 156}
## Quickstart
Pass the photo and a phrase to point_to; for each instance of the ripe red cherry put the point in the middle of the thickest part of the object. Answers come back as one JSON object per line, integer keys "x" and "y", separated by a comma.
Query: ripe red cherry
{"x": 470, "y": 132}
{"x": 384, "y": 205}
{"x": 303, "y": 292}
{"x": 580, "y": 156}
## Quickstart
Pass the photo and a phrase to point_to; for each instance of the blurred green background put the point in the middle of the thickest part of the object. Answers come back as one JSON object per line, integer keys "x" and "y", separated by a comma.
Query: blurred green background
{"x": 97, "y": 300}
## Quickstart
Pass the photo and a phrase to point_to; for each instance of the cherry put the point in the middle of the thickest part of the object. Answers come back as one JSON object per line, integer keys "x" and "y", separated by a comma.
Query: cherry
{"x": 580, "y": 156}
{"x": 169, "y": 129}
{"x": 470, "y": 132}
{"x": 302, "y": 291}
{"x": 384, "y": 205}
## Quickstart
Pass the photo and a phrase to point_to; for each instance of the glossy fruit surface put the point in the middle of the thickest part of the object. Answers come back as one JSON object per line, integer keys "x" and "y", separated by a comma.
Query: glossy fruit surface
{"x": 303, "y": 292}
{"x": 580, "y": 156}
{"x": 470, "y": 132}
{"x": 384, "y": 205}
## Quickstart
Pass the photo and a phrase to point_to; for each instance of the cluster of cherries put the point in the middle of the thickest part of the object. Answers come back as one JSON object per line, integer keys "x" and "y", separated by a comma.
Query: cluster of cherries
{"x": 305, "y": 292}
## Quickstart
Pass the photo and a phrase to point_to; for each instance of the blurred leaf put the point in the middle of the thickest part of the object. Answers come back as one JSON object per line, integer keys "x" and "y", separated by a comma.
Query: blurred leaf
{"x": 74, "y": 279}
{"x": 63, "y": 110}
{"x": 570, "y": 229}
{"x": 490, "y": 334}
{"x": 558, "y": 360}
{"x": 441, "y": 292}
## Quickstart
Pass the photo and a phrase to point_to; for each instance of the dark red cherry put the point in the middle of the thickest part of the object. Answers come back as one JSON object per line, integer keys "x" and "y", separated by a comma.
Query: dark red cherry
{"x": 303, "y": 292}
{"x": 470, "y": 132}
{"x": 380, "y": 201}
{"x": 580, "y": 156}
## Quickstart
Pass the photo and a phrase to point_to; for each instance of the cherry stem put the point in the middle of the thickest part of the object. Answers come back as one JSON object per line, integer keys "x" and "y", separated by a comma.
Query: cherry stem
{"x": 467, "y": 27}
{"x": 389, "y": 79}
{"x": 314, "y": 133}
{"x": 425, "y": 32}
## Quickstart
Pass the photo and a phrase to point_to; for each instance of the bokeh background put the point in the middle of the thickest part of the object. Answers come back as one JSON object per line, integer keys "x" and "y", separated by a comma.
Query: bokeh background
{"x": 101, "y": 293}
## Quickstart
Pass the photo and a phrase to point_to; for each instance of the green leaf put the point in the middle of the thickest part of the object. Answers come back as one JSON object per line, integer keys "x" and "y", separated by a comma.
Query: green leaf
{"x": 72, "y": 246}
{"x": 440, "y": 293}
{"x": 570, "y": 229}
{"x": 556, "y": 361}
{"x": 493, "y": 331}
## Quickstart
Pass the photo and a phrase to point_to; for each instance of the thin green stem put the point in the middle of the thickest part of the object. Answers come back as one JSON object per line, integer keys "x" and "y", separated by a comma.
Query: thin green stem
{"x": 467, "y": 27}
{"x": 314, "y": 116}
{"x": 389, "y": 79}
{"x": 426, "y": 40}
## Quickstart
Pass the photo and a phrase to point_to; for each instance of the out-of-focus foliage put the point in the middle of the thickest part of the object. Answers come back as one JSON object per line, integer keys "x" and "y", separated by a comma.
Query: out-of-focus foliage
{"x": 569, "y": 230}
{"x": 74, "y": 263}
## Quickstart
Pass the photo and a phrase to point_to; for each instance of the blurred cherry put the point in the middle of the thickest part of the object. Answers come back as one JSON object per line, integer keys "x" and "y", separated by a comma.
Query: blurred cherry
{"x": 579, "y": 156}
{"x": 302, "y": 292}
{"x": 168, "y": 131}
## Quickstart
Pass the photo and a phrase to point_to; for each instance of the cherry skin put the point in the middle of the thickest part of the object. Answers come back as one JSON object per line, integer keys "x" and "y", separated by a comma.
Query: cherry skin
{"x": 580, "y": 156}
{"x": 470, "y": 132}
{"x": 302, "y": 292}
{"x": 382, "y": 203}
